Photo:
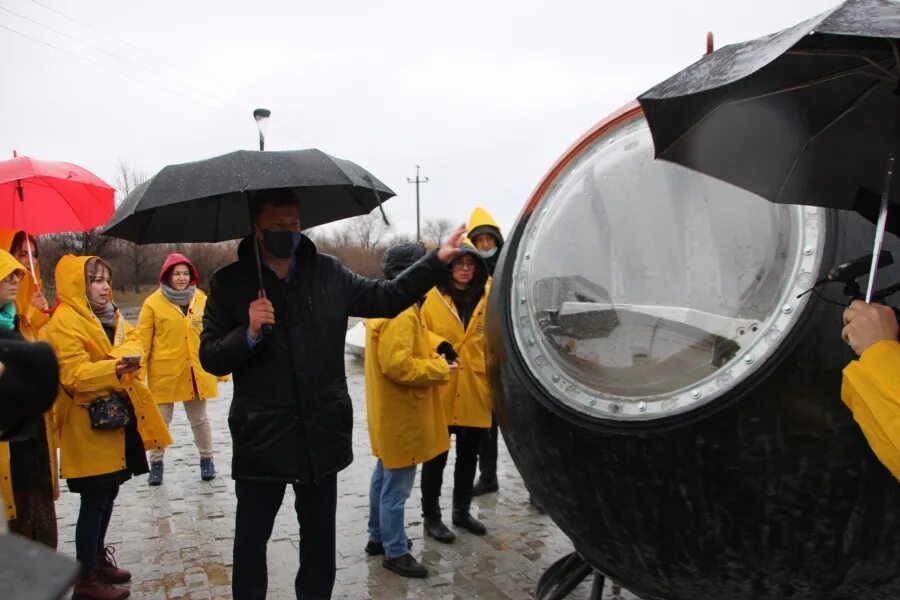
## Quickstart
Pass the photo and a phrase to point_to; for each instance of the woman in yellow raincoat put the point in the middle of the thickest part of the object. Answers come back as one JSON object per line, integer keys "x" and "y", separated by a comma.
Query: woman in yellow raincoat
{"x": 169, "y": 327}
{"x": 28, "y": 477}
{"x": 455, "y": 312}
{"x": 485, "y": 234}
{"x": 407, "y": 425}
{"x": 99, "y": 357}
{"x": 871, "y": 386}
{"x": 31, "y": 305}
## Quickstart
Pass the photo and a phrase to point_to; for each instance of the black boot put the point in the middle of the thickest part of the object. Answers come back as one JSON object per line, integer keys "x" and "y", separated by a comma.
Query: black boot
{"x": 485, "y": 486}
{"x": 435, "y": 528}
{"x": 462, "y": 518}
{"x": 405, "y": 565}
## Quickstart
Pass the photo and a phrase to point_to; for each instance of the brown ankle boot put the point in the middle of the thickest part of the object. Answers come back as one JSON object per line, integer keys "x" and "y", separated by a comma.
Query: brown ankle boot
{"x": 92, "y": 587}
{"x": 108, "y": 570}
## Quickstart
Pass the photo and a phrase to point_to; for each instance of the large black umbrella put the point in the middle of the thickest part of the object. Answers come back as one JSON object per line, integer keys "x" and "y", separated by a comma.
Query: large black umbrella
{"x": 207, "y": 200}
{"x": 808, "y": 115}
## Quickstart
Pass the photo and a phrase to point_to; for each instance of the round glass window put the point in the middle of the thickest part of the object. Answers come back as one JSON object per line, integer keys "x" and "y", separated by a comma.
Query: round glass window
{"x": 643, "y": 289}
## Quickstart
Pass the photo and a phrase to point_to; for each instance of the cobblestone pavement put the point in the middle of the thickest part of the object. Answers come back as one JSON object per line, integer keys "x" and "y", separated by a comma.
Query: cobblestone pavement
{"x": 177, "y": 538}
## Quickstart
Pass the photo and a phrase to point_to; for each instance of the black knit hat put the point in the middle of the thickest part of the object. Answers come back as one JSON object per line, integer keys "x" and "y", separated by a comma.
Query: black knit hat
{"x": 399, "y": 257}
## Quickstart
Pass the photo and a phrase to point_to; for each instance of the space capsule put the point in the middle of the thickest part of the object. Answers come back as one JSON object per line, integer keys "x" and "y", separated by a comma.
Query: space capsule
{"x": 668, "y": 385}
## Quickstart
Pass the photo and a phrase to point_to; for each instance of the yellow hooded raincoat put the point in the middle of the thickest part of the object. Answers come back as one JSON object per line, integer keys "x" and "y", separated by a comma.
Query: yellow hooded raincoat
{"x": 8, "y": 264}
{"x": 466, "y": 397}
{"x": 407, "y": 425}
{"x": 871, "y": 390}
{"x": 87, "y": 370}
{"x": 480, "y": 218}
{"x": 171, "y": 342}
{"x": 31, "y": 319}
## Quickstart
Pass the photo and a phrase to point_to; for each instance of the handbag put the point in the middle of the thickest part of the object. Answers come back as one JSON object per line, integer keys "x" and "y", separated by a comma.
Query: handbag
{"x": 110, "y": 412}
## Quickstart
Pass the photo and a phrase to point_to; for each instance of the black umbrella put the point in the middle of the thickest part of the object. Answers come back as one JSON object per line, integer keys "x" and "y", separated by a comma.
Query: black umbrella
{"x": 808, "y": 115}
{"x": 208, "y": 200}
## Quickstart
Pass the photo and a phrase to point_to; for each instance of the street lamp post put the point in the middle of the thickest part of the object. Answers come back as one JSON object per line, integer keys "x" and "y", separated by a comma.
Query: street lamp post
{"x": 261, "y": 115}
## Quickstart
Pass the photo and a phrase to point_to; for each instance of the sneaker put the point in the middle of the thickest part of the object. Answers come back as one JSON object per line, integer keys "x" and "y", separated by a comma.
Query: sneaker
{"x": 466, "y": 521}
{"x": 156, "y": 473}
{"x": 108, "y": 570}
{"x": 436, "y": 529}
{"x": 405, "y": 565}
{"x": 91, "y": 587}
{"x": 485, "y": 487}
{"x": 207, "y": 469}
{"x": 377, "y": 549}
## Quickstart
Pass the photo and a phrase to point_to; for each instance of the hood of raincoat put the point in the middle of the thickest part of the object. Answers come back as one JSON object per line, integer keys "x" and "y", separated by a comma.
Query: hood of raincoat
{"x": 26, "y": 286}
{"x": 9, "y": 264}
{"x": 71, "y": 285}
{"x": 170, "y": 263}
{"x": 482, "y": 222}
{"x": 481, "y": 270}
{"x": 399, "y": 257}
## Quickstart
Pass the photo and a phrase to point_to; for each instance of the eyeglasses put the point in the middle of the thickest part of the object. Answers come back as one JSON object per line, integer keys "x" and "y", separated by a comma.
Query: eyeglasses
{"x": 464, "y": 264}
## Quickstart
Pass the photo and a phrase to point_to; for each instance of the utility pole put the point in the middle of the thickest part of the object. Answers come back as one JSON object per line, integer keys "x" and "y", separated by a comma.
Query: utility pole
{"x": 261, "y": 116}
{"x": 417, "y": 181}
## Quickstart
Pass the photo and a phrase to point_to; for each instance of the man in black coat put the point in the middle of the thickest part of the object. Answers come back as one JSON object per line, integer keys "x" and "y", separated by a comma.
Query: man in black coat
{"x": 291, "y": 416}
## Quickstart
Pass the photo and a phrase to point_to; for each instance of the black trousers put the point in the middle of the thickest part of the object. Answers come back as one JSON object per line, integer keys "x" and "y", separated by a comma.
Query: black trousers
{"x": 257, "y": 504}
{"x": 487, "y": 454}
{"x": 93, "y": 521}
{"x": 468, "y": 440}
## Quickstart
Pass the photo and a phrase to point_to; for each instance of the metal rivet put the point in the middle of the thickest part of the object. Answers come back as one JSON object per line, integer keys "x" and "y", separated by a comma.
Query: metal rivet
{"x": 696, "y": 394}
{"x": 555, "y": 378}
{"x": 808, "y": 250}
{"x": 787, "y": 309}
{"x": 615, "y": 407}
{"x": 521, "y": 299}
{"x": 528, "y": 256}
{"x": 592, "y": 402}
{"x": 748, "y": 358}
{"x": 531, "y": 341}
{"x": 642, "y": 406}
{"x": 544, "y": 212}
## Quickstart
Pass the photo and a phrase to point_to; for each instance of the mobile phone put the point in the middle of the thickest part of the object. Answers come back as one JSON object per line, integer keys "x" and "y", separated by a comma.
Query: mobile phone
{"x": 132, "y": 359}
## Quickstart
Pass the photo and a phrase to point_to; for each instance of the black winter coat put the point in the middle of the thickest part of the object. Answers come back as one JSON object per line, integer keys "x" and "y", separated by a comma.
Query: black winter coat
{"x": 291, "y": 416}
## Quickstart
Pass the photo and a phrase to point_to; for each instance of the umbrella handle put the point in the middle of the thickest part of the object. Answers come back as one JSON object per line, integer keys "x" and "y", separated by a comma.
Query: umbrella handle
{"x": 267, "y": 328}
{"x": 879, "y": 228}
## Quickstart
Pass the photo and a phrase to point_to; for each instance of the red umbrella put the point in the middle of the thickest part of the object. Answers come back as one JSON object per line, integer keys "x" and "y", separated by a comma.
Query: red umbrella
{"x": 52, "y": 197}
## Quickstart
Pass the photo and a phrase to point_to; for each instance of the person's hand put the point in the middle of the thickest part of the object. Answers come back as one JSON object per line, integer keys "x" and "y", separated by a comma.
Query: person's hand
{"x": 450, "y": 248}
{"x": 123, "y": 367}
{"x": 39, "y": 302}
{"x": 261, "y": 312}
{"x": 868, "y": 324}
{"x": 454, "y": 365}
{"x": 2, "y": 368}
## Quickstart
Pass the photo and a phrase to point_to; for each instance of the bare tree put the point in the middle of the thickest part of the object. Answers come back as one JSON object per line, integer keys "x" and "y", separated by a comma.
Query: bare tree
{"x": 437, "y": 230}
{"x": 137, "y": 258}
{"x": 368, "y": 232}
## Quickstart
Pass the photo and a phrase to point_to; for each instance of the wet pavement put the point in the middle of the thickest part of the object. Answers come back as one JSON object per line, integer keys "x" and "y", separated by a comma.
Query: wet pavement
{"x": 177, "y": 538}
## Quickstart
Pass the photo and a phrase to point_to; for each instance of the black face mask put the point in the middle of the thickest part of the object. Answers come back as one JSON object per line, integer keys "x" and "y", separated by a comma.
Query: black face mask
{"x": 282, "y": 244}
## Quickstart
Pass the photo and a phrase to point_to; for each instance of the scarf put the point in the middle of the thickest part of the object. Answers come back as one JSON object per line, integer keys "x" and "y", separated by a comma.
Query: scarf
{"x": 106, "y": 313}
{"x": 8, "y": 317}
{"x": 182, "y": 298}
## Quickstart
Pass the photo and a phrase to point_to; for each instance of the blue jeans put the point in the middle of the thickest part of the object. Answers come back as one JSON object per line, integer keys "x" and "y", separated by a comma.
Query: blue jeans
{"x": 387, "y": 500}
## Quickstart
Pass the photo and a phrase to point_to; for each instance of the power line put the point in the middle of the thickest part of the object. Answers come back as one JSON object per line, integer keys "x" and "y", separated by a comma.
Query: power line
{"x": 115, "y": 56}
{"x": 124, "y": 42}
{"x": 93, "y": 62}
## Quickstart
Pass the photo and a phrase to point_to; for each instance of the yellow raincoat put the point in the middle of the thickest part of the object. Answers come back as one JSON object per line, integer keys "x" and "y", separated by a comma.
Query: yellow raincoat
{"x": 87, "y": 371}
{"x": 9, "y": 264}
{"x": 466, "y": 397}
{"x": 481, "y": 218}
{"x": 406, "y": 420}
{"x": 31, "y": 319}
{"x": 171, "y": 342}
{"x": 871, "y": 390}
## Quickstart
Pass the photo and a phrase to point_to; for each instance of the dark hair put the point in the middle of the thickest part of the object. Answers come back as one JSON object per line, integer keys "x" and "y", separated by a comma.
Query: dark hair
{"x": 275, "y": 197}
{"x": 93, "y": 266}
{"x": 19, "y": 241}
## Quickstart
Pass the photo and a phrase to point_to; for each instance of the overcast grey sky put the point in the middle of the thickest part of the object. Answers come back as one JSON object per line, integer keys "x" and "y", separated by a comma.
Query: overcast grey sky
{"x": 483, "y": 95}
